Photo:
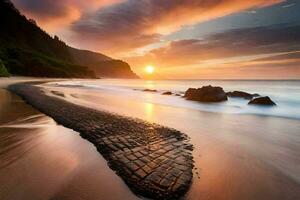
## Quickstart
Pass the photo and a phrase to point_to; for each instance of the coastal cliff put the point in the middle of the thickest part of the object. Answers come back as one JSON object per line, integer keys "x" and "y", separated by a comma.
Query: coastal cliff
{"x": 27, "y": 50}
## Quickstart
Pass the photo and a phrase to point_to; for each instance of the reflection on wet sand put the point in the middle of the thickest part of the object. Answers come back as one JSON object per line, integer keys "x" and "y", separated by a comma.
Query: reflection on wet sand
{"x": 41, "y": 160}
{"x": 236, "y": 156}
{"x": 149, "y": 111}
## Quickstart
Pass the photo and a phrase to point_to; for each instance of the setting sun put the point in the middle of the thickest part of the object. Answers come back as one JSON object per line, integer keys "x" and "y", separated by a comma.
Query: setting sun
{"x": 179, "y": 99}
{"x": 149, "y": 69}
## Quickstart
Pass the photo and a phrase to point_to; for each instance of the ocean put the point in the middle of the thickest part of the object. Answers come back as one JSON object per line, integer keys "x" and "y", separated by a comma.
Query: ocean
{"x": 240, "y": 151}
{"x": 286, "y": 94}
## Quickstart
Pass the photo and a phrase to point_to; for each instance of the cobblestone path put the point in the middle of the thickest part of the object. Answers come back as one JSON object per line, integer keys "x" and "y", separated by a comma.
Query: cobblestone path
{"x": 153, "y": 160}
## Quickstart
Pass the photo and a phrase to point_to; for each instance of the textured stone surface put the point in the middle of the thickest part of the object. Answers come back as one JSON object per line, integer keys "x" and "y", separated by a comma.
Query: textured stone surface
{"x": 241, "y": 94}
{"x": 153, "y": 160}
{"x": 206, "y": 94}
{"x": 167, "y": 93}
{"x": 266, "y": 101}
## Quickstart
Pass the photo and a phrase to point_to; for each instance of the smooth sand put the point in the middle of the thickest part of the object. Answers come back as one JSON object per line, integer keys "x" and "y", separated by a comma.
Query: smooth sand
{"x": 138, "y": 151}
{"x": 237, "y": 156}
{"x": 42, "y": 160}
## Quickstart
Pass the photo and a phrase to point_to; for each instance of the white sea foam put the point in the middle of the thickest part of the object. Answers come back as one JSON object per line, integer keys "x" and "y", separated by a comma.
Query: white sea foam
{"x": 286, "y": 94}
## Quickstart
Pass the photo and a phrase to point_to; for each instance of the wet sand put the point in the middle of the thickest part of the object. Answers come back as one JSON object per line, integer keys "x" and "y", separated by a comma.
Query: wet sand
{"x": 42, "y": 160}
{"x": 138, "y": 151}
{"x": 236, "y": 156}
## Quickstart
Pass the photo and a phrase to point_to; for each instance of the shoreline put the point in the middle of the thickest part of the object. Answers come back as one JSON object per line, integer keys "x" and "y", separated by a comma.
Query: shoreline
{"x": 267, "y": 146}
{"x": 284, "y": 95}
{"x": 54, "y": 161}
{"x": 236, "y": 156}
{"x": 137, "y": 150}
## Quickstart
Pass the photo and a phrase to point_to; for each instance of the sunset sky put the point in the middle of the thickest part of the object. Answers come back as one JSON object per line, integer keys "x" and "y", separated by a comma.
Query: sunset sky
{"x": 205, "y": 39}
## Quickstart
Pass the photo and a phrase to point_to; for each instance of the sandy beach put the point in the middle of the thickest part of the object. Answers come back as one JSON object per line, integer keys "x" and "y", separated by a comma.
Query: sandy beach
{"x": 138, "y": 151}
{"x": 42, "y": 160}
{"x": 236, "y": 156}
{"x": 150, "y": 100}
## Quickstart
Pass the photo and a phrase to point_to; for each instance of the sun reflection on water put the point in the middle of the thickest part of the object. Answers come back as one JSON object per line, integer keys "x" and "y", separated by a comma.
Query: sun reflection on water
{"x": 149, "y": 84}
{"x": 149, "y": 111}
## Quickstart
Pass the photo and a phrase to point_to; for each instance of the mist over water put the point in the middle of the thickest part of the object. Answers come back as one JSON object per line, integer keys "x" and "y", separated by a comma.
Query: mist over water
{"x": 286, "y": 94}
{"x": 241, "y": 151}
{"x": 237, "y": 154}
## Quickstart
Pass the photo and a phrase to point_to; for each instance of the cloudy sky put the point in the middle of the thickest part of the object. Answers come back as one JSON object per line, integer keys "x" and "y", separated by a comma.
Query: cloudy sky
{"x": 210, "y": 39}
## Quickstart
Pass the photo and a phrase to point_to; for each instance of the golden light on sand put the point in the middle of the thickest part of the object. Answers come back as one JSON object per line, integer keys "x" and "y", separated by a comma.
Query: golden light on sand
{"x": 149, "y": 69}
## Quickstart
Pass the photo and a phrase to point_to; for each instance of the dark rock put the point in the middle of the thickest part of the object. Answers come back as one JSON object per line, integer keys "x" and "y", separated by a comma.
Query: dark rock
{"x": 58, "y": 93}
{"x": 167, "y": 93}
{"x": 149, "y": 90}
{"x": 177, "y": 95}
{"x": 206, "y": 94}
{"x": 262, "y": 101}
{"x": 241, "y": 94}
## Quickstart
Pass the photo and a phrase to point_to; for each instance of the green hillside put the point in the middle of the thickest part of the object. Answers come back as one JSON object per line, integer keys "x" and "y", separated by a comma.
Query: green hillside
{"x": 3, "y": 70}
{"x": 27, "y": 50}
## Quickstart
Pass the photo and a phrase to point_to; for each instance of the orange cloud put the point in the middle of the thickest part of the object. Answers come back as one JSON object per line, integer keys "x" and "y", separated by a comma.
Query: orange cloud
{"x": 55, "y": 15}
{"x": 135, "y": 23}
{"x": 251, "y": 69}
{"x": 118, "y": 26}
{"x": 237, "y": 47}
{"x": 114, "y": 26}
{"x": 193, "y": 11}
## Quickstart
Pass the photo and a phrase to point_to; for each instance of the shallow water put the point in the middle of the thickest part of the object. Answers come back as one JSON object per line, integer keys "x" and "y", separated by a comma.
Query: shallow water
{"x": 42, "y": 160}
{"x": 285, "y": 93}
{"x": 237, "y": 156}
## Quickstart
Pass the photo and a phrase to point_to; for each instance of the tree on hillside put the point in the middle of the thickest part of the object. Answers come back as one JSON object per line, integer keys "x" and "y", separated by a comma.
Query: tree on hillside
{"x": 3, "y": 71}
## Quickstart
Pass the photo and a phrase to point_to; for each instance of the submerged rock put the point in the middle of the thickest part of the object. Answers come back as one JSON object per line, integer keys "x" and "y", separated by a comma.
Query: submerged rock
{"x": 149, "y": 90}
{"x": 206, "y": 94}
{"x": 241, "y": 94}
{"x": 58, "y": 93}
{"x": 262, "y": 101}
{"x": 167, "y": 93}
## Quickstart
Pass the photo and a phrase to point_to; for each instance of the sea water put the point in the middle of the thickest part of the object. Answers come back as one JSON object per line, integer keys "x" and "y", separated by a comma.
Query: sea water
{"x": 240, "y": 151}
{"x": 286, "y": 94}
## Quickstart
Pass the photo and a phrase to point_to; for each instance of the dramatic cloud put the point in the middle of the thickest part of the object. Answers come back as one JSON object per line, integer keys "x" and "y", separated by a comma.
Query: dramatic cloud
{"x": 233, "y": 43}
{"x": 52, "y": 14}
{"x": 182, "y": 38}
{"x": 135, "y": 23}
{"x": 44, "y": 9}
{"x": 232, "y": 46}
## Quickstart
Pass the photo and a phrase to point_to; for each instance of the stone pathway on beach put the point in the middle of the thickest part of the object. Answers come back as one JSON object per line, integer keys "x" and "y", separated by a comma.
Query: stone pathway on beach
{"x": 153, "y": 160}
